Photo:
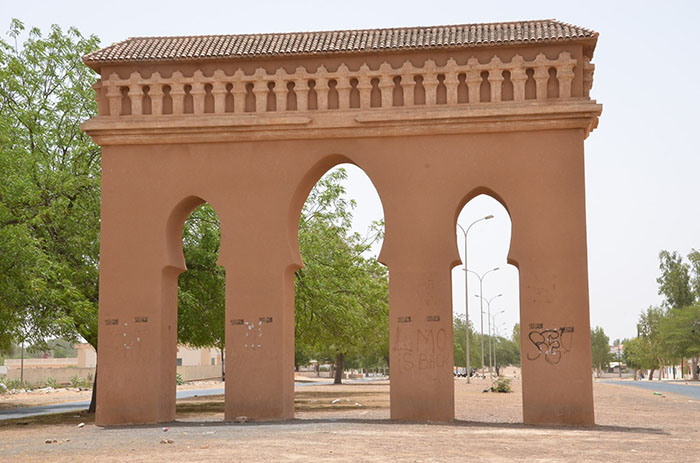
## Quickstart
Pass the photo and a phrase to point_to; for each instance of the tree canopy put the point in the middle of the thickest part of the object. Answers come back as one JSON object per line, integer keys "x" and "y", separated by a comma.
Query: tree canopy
{"x": 201, "y": 289}
{"x": 600, "y": 349}
{"x": 50, "y": 189}
{"x": 341, "y": 295}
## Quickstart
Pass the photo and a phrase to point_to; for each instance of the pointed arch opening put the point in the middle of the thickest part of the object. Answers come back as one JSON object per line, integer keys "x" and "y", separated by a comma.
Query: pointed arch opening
{"x": 201, "y": 289}
{"x": 489, "y": 290}
{"x": 341, "y": 293}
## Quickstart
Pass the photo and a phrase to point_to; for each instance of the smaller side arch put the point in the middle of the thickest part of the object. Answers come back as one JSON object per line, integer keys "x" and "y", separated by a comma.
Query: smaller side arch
{"x": 173, "y": 231}
{"x": 483, "y": 190}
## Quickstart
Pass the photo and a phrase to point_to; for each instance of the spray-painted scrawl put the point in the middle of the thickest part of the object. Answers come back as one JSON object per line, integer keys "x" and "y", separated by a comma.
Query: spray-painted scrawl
{"x": 551, "y": 343}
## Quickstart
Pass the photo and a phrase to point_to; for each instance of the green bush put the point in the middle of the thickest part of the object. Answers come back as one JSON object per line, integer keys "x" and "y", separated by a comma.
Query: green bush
{"x": 14, "y": 383}
{"x": 78, "y": 382}
{"x": 501, "y": 385}
{"x": 51, "y": 382}
{"x": 179, "y": 380}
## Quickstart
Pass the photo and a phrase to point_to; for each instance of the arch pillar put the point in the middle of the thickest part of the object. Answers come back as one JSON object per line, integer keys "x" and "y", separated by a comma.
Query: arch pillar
{"x": 259, "y": 359}
{"x": 137, "y": 326}
{"x": 418, "y": 254}
{"x": 549, "y": 249}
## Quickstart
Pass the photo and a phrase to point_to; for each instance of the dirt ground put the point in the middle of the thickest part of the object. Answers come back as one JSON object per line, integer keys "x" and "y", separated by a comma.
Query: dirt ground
{"x": 351, "y": 423}
{"x": 50, "y": 396}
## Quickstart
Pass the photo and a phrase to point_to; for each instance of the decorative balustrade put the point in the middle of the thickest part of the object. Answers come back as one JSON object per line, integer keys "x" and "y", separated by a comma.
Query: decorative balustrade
{"x": 342, "y": 89}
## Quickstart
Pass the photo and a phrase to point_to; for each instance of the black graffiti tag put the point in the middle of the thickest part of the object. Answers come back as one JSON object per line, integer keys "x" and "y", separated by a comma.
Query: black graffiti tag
{"x": 550, "y": 343}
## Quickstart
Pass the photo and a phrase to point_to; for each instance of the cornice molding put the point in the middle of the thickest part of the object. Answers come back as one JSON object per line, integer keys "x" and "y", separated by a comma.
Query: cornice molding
{"x": 477, "y": 118}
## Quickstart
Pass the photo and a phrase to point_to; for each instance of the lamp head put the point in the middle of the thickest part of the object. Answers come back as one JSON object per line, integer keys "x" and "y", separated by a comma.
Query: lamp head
{"x": 490, "y": 216}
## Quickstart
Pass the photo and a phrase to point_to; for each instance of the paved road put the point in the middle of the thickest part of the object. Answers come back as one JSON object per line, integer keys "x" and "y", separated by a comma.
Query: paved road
{"x": 687, "y": 390}
{"x": 83, "y": 405}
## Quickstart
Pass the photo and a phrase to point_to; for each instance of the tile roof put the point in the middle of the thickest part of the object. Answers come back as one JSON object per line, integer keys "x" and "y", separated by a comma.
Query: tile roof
{"x": 139, "y": 49}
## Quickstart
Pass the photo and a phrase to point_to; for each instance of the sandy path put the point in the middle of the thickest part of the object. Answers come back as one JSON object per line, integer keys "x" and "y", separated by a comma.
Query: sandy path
{"x": 633, "y": 425}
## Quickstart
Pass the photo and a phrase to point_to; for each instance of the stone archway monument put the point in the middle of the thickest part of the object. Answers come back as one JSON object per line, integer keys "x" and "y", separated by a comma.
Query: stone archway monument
{"x": 249, "y": 123}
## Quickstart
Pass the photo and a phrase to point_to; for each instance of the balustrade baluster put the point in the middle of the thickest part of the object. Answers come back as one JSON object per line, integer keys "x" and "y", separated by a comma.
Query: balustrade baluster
{"x": 364, "y": 86}
{"x": 260, "y": 91}
{"x": 430, "y": 83}
{"x": 239, "y": 93}
{"x": 322, "y": 90}
{"x": 156, "y": 94}
{"x": 565, "y": 74}
{"x": 496, "y": 83}
{"x": 218, "y": 90}
{"x": 473, "y": 81}
{"x": 343, "y": 87}
{"x": 386, "y": 87}
{"x": 541, "y": 76}
{"x": 408, "y": 84}
{"x": 451, "y": 71}
{"x": 588, "y": 70}
{"x": 518, "y": 76}
{"x": 198, "y": 94}
{"x": 97, "y": 88}
{"x": 177, "y": 92}
{"x": 280, "y": 91}
{"x": 114, "y": 96}
{"x": 451, "y": 81}
{"x": 301, "y": 88}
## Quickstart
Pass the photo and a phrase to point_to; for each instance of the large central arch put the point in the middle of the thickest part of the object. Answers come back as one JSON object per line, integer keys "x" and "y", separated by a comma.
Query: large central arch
{"x": 250, "y": 123}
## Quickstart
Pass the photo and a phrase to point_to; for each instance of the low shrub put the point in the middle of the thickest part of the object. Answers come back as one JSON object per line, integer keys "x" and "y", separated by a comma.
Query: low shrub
{"x": 501, "y": 385}
{"x": 77, "y": 382}
{"x": 178, "y": 379}
{"x": 14, "y": 383}
{"x": 51, "y": 382}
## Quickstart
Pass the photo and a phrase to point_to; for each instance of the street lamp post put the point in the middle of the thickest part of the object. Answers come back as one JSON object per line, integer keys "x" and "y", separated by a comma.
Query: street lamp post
{"x": 488, "y": 320}
{"x": 481, "y": 292}
{"x": 466, "y": 291}
{"x": 494, "y": 343}
{"x": 495, "y": 332}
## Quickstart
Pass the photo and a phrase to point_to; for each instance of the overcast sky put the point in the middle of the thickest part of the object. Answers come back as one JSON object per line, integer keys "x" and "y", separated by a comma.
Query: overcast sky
{"x": 642, "y": 162}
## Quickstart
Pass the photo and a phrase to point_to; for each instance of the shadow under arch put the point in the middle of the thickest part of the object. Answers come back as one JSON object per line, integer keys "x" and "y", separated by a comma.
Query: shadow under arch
{"x": 301, "y": 193}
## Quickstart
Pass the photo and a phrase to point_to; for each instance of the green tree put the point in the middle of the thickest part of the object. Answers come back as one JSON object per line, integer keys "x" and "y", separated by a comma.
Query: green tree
{"x": 506, "y": 352}
{"x": 674, "y": 282}
{"x": 341, "y": 296}
{"x": 460, "y": 341}
{"x": 50, "y": 189}
{"x": 201, "y": 289}
{"x": 679, "y": 332}
{"x": 649, "y": 328}
{"x": 639, "y": 354}
{"x": 516, "y": 334}
{"x": 694, "y": 258}
{"x": 600, "y": 349}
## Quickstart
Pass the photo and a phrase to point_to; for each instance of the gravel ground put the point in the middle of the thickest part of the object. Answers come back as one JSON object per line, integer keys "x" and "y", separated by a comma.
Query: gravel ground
{"x": 633, "y": 425}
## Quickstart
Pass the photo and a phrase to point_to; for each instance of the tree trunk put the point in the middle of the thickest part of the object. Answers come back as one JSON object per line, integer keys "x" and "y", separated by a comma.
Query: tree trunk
{"x": 93, "y": 398}
{"x": 651, "y": 374}
{"x": 21, "y": 367}
{"x": 223, "y": 372}
{"x": 694, "y": 366}
{"x": 338, "y": 379}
